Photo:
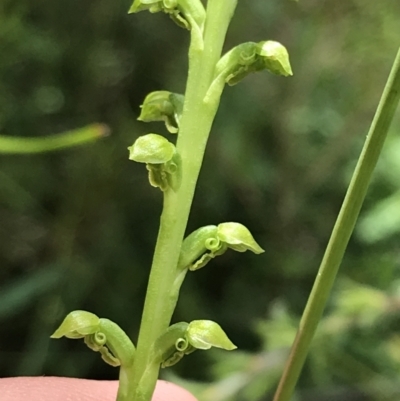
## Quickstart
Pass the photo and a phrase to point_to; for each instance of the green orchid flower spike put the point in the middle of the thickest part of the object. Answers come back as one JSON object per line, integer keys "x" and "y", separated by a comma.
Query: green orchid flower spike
{"x": 208, "y": 242}
{"x": 163, "y": 106}
{"x": 162, "y": 160}
{"x": 100, "y": 335}
{"x": 187, "y": 14}
{"x": 183, "y": 338}
{"x": 245, "y": 59}
{"x": 175, "y": 171}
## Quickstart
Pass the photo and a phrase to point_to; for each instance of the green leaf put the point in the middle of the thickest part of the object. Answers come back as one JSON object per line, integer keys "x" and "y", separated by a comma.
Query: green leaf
{"x": 77, "y": 324}
{"x": 49, "y": 143}
{"x": 204, "y": 334}
{"x": 151, "y": 149}
{"x": 238, "y": 237}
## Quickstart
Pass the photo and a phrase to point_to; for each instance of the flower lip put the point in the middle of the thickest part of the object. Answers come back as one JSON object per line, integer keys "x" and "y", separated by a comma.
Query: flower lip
{"x": 204, "y": 334}
{"x": 151, "y": 149}
{"x": 238, "y": 237}
{"x": 77, "y": 324}
{"x": 276, "y": 57}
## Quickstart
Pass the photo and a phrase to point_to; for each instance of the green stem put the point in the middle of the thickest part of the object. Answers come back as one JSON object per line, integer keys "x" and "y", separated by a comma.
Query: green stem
{"x": 341, "y": 233}
{"x": 18, "y": 145}
{"x": 195, "y": 126}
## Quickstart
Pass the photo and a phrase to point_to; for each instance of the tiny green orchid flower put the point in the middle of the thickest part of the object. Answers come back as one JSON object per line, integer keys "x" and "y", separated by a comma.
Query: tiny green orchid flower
{"x": 161, "y": 159}
{"x": 185, "y": 13}
{"x": 207, "y": 242}
{"x": 252, "y": 57}
{"x": 246, "y": 58}
{"x": 100, "y": 335}
{"x": 183, "y": 338}
{"x": 163, "y": 106}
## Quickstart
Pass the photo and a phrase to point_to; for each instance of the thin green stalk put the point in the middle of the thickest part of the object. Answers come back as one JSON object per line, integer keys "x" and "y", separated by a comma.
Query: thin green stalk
{"x": 341, "y": 233}
{"x": 21, "y": 145}
{"x": 195, "y": 126}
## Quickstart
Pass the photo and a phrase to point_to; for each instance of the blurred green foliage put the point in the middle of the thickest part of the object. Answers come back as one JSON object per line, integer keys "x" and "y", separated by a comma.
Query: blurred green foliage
{"x": 78, "y": 227}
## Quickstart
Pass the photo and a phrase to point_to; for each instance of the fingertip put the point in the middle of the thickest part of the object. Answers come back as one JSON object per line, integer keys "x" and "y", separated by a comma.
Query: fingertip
{"x": 64, "y": 388}
{"x": 166, "y": 391}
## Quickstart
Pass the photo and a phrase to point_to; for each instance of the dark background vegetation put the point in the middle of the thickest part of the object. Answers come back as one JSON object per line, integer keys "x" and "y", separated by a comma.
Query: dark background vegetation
{"x": 77, "y": 227}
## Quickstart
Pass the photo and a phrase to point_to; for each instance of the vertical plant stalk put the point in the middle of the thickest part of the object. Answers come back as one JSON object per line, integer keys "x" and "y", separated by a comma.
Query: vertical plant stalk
{"x": 341, "y": 233}
{"x": 195, "y": 126}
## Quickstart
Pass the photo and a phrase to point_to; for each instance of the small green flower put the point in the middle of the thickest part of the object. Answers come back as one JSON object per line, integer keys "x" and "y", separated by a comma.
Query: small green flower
{"x": 100, "y": 335}
{"x": 182, "y": 339}
{"x": 153, "y": 6}
{"x": 185, "y": 13}
{"x": 251, "y": 57}
{"x": 207, "y": 242}
{"x": 244, "y": 59}
{"x": 163, "y": 106}
{"x": 162, "y": 160}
